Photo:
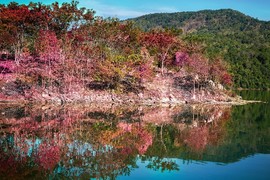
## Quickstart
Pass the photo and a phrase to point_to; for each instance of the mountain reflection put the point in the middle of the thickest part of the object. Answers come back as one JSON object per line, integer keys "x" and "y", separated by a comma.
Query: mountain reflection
{"x": 107, "y": 141}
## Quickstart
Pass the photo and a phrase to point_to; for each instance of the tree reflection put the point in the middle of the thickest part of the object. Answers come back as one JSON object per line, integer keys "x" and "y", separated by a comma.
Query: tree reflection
{"x": 47, "y": 155}
{"x": 162, "y": 164}
{"x": 105, "y": 142}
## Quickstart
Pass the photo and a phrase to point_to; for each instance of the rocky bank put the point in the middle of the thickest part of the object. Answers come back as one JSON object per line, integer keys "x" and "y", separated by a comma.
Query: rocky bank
{"x": 161, "y": 90}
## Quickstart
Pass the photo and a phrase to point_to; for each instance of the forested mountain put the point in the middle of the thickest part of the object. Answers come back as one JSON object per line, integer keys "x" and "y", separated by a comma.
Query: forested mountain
{"x": 241, "y": 40}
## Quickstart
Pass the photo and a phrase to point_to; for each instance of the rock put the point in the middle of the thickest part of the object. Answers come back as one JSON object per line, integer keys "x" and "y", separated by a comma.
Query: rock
{"x": 220, "y": 87}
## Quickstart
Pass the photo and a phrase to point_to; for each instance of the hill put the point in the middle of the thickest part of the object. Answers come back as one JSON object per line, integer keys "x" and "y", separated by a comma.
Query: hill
{"x": 241, "y": 40}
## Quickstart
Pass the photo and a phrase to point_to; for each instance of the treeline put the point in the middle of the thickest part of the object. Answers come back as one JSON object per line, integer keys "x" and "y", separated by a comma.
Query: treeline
{"x": 64, "y": 48}
{"x": 239, "y": 39}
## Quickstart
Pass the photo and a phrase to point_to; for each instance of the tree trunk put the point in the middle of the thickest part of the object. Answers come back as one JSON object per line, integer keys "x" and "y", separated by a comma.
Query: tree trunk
{"x": 194, "y": 95}
{"x": 163, "y": 60}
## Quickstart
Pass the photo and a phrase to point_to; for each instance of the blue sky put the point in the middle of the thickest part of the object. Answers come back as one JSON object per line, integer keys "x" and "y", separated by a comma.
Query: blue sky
{"x": 132, "y": 8}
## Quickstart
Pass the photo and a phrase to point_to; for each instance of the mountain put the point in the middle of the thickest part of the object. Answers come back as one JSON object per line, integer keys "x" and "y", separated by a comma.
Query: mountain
{"x": 243, "y": 41}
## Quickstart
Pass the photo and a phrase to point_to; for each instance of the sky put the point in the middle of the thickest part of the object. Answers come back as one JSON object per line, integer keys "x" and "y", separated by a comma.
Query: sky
{"x": 124, "y": 9}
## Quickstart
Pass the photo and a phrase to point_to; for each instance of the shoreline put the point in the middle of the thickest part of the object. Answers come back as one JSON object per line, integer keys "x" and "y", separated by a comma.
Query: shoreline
{"x": 140, "y": 103}
{"x": 160, "y": 91}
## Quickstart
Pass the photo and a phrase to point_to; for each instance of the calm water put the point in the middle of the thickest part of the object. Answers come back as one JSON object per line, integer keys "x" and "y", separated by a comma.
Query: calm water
{"x": 110, "y": 142}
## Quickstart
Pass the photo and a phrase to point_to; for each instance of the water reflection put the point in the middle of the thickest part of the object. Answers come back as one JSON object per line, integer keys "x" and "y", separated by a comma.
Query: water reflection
{"x": 108, "y": 141}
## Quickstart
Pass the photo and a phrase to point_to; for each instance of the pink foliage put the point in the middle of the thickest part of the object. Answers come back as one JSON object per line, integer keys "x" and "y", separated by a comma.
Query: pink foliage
{"x": 47, "y": 46}
{"x": 199, "y": 65}
{"x": 125, "y": 126}
{"x": 7, "y": 67}
{"x": 146, "y": 140}
{"x": 145, "y": 71}
{"x": 181, "y": 58}
{"x": 197, "y": 138}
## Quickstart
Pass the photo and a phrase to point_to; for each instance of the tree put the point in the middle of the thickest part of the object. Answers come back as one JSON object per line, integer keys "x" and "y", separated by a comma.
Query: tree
{"x": 159, "y": 42}
{"x": 218, "y": 72}
{"x": 19, "y": 25}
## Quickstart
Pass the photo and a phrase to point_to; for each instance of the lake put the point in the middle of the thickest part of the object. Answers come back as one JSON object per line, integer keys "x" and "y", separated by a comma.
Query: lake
{"x": 119, "y": 142}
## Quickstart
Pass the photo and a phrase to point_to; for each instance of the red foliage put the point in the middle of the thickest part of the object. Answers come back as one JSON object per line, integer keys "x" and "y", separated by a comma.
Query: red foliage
{"x": 11, "y": 163}
{"x": 126, "y": 151}
{"x": 226, "y": 78}
{"x": 48, "y": 155}
{"x": 157, "y": 39}
{"x": 219, "y": 72}
{"x": 19, "y": 21}
{"x": 7, "y": 163}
